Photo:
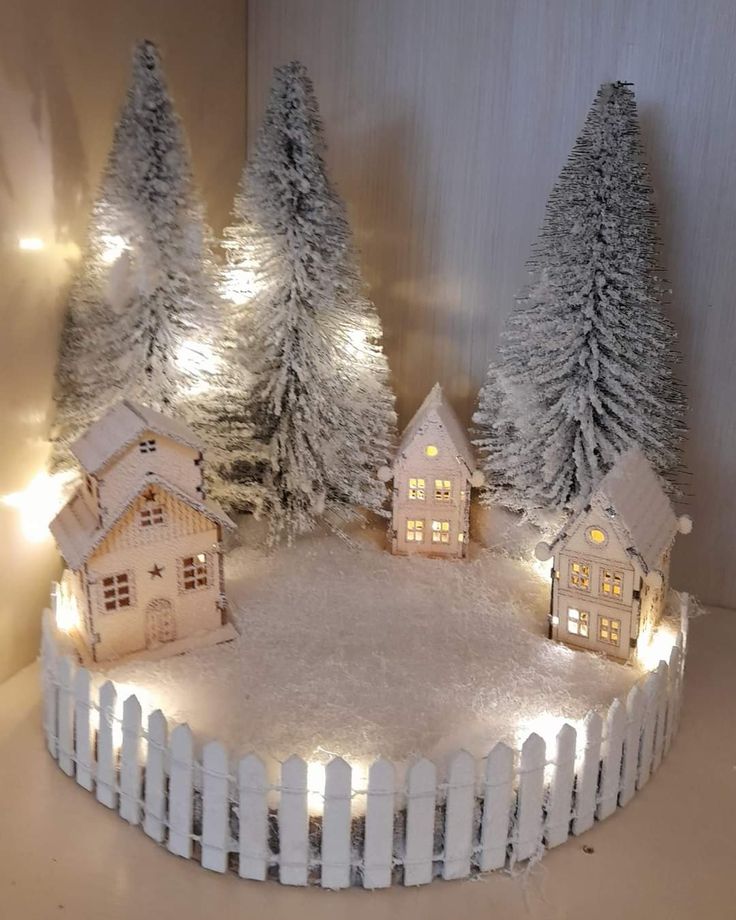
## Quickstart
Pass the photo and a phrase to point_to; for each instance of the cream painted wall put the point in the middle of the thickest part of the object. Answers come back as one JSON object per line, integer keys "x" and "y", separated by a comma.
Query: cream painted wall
{"x": 63, "y": 72}
{"x": 449, "y": 121}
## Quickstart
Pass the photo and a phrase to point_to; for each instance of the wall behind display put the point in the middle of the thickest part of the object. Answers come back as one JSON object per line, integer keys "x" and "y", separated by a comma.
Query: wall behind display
{"x": 63, "y": 71}
{"x": 448, "y": 123}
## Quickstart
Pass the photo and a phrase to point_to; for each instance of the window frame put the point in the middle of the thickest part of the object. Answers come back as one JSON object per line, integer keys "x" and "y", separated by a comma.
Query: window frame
{"x": 572, "y": 574}
{"x": 200, "y": 567}
{"x": 609, "y": 577}
{"x": 413, "y": 528}
{"x": 581, "y": 622}
{"x": 147, "y": 446}
{"x": 152, "y": 517}
{"x": 443, "y": 490}
{"x": 418, "y": 491}
{"x": 440, "y": 533}
{"x": 610, "y": 628}
{"x": 117, "y": 592}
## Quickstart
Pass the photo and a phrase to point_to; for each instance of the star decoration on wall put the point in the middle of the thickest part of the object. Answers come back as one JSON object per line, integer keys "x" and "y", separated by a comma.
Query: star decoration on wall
{"x": 156, "y": 571}
{"x": 150, "y": 495}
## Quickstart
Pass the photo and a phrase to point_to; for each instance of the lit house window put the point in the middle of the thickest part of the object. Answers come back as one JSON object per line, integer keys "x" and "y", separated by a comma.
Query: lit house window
{"x": 440, "y": 531}
{"x": 194, "y": 572}
{"x": 415, "y": 531}
{"x": 416, "y": 489}
{"x": 430, "y": 450}
{"x": 578, "y": 622}
{"x": 116, "y": 591}
{"x": 609, "y": 630}
{"x": 151, "y": 516}
{"x": 612, "y": 583}
{"x": 147, "y": 447}
{"x": 596, "y": 536}
{"x": 442, "y": 490}
{"x": 580, "y": 575}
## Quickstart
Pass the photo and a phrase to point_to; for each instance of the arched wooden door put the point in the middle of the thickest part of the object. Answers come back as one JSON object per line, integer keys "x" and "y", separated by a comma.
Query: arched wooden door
{"x": 160, "y": 622}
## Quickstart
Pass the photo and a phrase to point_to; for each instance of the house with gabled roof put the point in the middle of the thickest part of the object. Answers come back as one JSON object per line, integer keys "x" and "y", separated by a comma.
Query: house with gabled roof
{"x": 610, "y": 564}
{"x": 433, "y": 472}
{"x": 142, "y": 543}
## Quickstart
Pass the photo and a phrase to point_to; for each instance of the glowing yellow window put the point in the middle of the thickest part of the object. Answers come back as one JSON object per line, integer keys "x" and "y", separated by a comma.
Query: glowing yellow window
{"x": 612, "y": 583}
{"x": 440, "y": 531}
{"x": 609, "y": 630}
{"x": 430, "y": 450}
{"x": 580, "y": 575}
{"x": 442, "y": 490}
{"x": 578, "y": 622}
{"x": 416, "y": 490}
{"x": 597, "y": 536}
{"x": 415, "y": 531}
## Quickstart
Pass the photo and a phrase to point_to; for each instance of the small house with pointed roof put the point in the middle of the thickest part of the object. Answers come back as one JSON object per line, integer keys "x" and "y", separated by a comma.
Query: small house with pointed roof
{"x": 433, "y": 472}
{"x": 610, "y": 571}
{"x": 141, "y": 541}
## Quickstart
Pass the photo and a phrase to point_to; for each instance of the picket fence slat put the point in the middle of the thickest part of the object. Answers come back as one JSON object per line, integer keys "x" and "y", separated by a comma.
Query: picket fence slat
{"x": 106, "y": 765}
{"x": 336, "y": 825}
{"x": 180, "y": 791}
{"x": 65, "y": 714}
{"x": 634, "y": 716}
{"x": 83, "y": 728}
{"x": 253, "y": 825}
{"x": 48, "y": 661}
{"x": 680, "y": 643}
{"x": 497, "y": 803}
{"x": 529, "y": 823}
{"x": 215, "y": 807}
{"x": 293, "y": 823}
{"x": 659, "y": 729}
{"x": 459, "y": 816}
{"x": 586, "y": 791}
{"x": 647, "y": 734}
{"x": 612, "y": 759}
{"x": 671, "y": 693}
{"x": 557, "y": 828}
{"x": 130, "y": 764}
{"x": 419, "y": 848}
{"x": 155, "y": 792}
{"x": 379, "y": 825}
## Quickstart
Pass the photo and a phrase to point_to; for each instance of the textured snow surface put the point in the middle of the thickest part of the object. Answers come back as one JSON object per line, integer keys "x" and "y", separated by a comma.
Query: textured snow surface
{"x": 349, "y": 650}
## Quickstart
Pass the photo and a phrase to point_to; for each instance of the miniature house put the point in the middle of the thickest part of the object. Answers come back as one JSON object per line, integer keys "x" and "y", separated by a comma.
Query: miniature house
{"x": 433, "y": 473}
{"x": 141, "y": 542}
{"x": 611, "y": 564}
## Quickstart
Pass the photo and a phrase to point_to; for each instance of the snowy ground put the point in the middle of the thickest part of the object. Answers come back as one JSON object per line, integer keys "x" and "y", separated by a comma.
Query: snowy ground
{"x": 346, "y": 649}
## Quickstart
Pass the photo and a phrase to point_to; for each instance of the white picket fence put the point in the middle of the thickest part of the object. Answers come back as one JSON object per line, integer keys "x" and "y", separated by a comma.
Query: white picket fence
{"x": 485, "y": 814}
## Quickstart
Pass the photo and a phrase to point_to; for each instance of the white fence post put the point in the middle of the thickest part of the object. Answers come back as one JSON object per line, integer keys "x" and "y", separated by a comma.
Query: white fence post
{"x": 181, "y": 769}
{"x": 612, "y": 756}
{"x": 293, "y": 823}
{"x": 130, "y": 763}
{"x": 336, "y": 853}
{"x": 586, "y": 792}
{"x": 557, "y": 825}
{"x": 660, "y": 727}
{"x": 459, "y": 816}
{"x": 680, "y": 644}
{"x": 155, "y": 797}
{"x": 634, "y": 716}
{"x": 253, "y": 823}
{"x": 106, "y": 759}
{"x": 65, "y": 714}
{"x": 647, "y": 735}
{"x": 82, "y": 728}
{"x": 529, "y": 824}
{"x": 421, "y": 791}
{"x": 215, "y": 807}
{"x": 48, "y": 661}
{"x": 671, "y": 693}
{"x": 497, "y": 803}
{"x": 379, "y": 825}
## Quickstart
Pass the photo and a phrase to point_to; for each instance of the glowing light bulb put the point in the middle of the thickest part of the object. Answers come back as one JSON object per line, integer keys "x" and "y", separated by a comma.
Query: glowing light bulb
{"x": 39, "y": 503}
{"x": 31, "y": 243}
{"x": 315, "y": 787}
{"x": 113, "y": 246}
{"x": 197, "y": 359}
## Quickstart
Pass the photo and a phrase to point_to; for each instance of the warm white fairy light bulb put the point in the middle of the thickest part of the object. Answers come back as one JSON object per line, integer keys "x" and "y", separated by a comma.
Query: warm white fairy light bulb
{"x": 39, "y": 503}
{"x": 315, "y": 787}
{"x": 31, "y": 244}
{"x": 113, "y": 246}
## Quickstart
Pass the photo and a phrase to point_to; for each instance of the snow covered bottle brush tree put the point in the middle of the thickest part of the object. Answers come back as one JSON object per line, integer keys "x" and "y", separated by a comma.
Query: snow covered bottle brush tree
{"x": 143, "y": 319}
{"x": 587, "y": 360}
{"x": 319, "y": 403}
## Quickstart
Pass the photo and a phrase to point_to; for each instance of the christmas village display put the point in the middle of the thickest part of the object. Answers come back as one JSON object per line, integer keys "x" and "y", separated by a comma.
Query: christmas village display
{"x": 275, "y": 363}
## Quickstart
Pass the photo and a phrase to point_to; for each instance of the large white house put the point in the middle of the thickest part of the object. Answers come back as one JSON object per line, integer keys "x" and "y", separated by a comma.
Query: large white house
{"x": 141, "y": 541}
{"x": 611, "y": 563}
{"x": 432, "y": 473}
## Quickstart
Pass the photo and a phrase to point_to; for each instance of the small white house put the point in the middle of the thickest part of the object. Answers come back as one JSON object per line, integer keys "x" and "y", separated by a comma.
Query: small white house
{"x": 611, "y": 563}
{"x": 141, "y": 541}
{"x": 433, "y": 473}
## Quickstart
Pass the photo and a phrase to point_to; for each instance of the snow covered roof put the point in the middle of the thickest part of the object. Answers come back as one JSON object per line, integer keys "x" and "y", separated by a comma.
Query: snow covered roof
{"x": 436, "y": 408}
{"x": 76, "y": 529}
{"x": 121, "y": 426}
{"x": 631, "y": 494}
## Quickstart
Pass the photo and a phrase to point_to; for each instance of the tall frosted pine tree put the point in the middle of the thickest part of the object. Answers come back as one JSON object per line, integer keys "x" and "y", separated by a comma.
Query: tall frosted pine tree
{"x": 143, "y": 318}
{"x": 587, "y": 360}
{"x": 319, "y": 402}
